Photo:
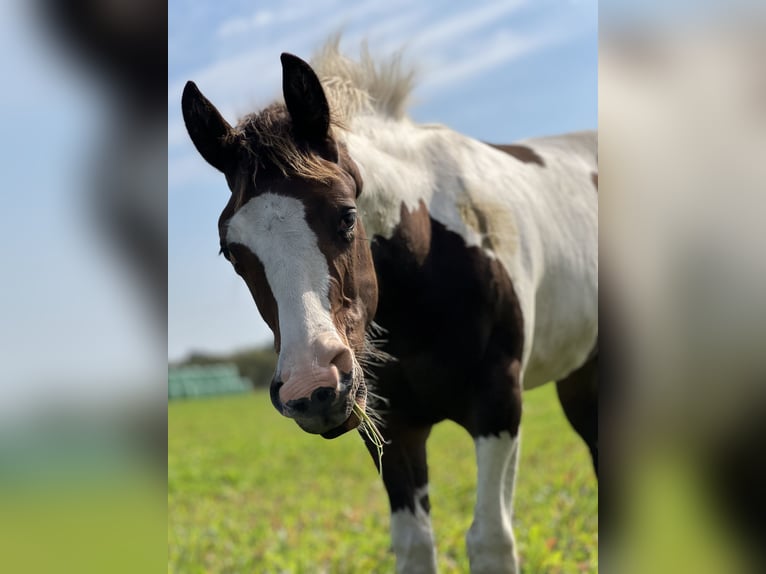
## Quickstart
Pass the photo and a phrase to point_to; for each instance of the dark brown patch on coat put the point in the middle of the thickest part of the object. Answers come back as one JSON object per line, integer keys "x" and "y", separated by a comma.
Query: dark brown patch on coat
{"x": 248, "y": 266}
{"x": 455, "y": 326}
{"x": 415, "y": 232}
{"x": 522, "y": 153}
{"x": 594, "y": 179}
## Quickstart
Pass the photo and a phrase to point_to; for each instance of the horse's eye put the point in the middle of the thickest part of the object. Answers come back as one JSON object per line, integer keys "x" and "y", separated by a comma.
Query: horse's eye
{"x": 347, "y": 221}
{"x": 227, "y": 254}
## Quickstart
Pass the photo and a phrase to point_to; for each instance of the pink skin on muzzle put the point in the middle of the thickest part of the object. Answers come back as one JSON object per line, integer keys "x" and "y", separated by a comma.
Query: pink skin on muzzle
{"x": 320, "y": 366}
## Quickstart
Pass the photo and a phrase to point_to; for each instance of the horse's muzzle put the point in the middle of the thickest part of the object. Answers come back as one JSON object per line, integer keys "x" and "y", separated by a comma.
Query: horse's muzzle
{"x": 328, "y": 411}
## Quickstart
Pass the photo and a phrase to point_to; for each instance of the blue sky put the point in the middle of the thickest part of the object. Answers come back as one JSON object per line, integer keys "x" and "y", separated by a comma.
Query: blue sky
{"x": 497, "y": 70}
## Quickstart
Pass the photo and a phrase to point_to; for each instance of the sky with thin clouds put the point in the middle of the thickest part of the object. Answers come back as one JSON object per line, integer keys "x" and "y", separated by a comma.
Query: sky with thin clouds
{"x": 498, "y": 71}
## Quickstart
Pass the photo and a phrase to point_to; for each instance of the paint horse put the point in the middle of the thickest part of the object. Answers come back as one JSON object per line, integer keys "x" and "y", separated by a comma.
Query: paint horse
{"x": 478, "y": 261}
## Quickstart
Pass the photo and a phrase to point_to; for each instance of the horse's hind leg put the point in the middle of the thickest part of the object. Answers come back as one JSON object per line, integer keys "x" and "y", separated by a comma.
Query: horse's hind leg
{"x": 495, "y": 428}
{"x": 578, "y": 394}
{"x": 405, "y": 476}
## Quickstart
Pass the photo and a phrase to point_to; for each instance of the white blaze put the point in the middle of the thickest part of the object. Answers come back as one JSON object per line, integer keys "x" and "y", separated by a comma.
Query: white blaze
{"x": 274, "y": 228}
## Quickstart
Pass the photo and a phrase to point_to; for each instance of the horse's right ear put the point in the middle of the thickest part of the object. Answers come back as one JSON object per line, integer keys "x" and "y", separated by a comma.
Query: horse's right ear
{"x": 211, "y": 134}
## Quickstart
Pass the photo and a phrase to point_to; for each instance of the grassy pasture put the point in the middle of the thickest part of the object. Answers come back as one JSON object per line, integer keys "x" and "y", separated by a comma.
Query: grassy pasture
{"x": 249, "y": 492}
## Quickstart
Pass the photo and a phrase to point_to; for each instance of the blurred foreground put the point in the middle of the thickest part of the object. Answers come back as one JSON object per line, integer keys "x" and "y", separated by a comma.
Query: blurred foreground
{"x": 82, "y": 393}
{"x": 682, "y": 114}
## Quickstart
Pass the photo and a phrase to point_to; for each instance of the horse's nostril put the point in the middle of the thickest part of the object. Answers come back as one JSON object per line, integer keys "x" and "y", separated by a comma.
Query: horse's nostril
{"x": 299, "y": 405}
{"x": 323, "y": 394}
{"x": 274, "y": 394}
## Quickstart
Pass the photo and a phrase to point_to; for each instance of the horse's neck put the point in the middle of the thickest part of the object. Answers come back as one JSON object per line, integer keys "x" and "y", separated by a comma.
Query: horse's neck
{"x": 398, "y": 162}
{"x": 407, "y": 167}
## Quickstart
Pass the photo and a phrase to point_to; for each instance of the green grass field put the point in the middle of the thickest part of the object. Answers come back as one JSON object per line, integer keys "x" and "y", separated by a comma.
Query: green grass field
{"x": 249, "y": 492}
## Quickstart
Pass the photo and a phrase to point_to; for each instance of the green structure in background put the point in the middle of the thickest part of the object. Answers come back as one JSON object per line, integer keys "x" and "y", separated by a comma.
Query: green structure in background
{"x": 205, "y": 381}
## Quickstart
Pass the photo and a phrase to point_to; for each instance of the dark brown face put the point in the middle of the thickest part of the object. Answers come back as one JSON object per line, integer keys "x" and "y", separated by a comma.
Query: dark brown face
{"x": 300, "y": 246}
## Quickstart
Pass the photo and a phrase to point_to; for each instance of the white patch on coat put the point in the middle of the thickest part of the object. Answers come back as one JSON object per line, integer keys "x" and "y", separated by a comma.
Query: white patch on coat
{"x": 540, "y": 222}
{"x": 490, "y": 542}
{"x": 412, "y": 539}
{"x": 274, "y": 228}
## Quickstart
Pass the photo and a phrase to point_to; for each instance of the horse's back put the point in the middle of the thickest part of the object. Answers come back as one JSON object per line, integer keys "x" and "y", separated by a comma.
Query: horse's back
{"x": 581, "y": 145}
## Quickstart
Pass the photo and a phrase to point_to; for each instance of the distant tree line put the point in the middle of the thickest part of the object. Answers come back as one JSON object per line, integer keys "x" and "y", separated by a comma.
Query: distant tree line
{"x": 256, "y": 364}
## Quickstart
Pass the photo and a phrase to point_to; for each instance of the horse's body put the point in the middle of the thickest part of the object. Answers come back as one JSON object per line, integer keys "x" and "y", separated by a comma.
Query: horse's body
{"x": 536, "y": 215}
{"x": 487, "y": 270}
{"x": 481, "y": 267}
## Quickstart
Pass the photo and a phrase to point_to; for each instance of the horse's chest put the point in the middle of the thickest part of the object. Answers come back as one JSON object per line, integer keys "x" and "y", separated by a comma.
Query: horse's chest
{"x": 437, "y": 294}
{"x": 445, "y": 306}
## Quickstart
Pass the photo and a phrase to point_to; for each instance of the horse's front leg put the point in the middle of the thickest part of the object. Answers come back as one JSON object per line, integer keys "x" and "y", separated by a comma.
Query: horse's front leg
{"x": 490, "y": 541}
{"x": 405, "y": 476}
{"x": 495, "y": 429}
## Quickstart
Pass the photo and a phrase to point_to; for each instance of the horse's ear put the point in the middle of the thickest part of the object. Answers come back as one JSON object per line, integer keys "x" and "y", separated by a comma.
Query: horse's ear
{"x": 211, "y": 134}
{"x": 305, "y": 99}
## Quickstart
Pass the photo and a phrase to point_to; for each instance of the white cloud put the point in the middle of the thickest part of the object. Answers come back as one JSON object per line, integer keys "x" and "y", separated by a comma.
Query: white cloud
{"x": 451, "y": 30}
{"x": 259, "y": 19}
{"x": 422, "y": 29}
{"x": 452, "y": 47}
{"x": 501, "y": 49}
{"x": 230, "y": 78}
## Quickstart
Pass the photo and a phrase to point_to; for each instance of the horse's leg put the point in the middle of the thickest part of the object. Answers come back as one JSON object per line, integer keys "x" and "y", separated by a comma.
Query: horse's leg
{"x": 495, "y": 428}
{"x": 578, "y": 394}
{"x": 405, "y": 476}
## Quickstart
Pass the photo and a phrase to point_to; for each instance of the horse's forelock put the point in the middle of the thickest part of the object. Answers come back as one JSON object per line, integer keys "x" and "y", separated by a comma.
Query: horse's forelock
{"x": 268, "y": 138}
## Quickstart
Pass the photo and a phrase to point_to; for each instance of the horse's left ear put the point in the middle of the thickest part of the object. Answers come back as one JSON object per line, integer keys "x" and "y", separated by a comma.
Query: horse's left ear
{"x": 305, "y": 99}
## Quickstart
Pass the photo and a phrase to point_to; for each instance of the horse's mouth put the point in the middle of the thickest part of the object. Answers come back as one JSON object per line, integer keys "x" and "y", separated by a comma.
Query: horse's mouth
{"x": 353, "y": 420}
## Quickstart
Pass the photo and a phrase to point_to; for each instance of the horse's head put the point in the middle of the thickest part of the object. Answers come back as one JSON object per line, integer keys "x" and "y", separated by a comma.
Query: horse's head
{"x": 291, "y": 231}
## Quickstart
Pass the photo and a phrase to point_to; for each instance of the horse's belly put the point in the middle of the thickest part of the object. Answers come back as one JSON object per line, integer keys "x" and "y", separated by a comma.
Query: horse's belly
{"x": 565, "y": 331}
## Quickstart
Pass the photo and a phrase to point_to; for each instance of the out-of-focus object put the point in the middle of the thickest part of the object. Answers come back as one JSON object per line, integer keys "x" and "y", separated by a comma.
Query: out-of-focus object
{"x": 82, "y": 397}
{"x": 124, "y": 43}
{"x": 682, "y": 122}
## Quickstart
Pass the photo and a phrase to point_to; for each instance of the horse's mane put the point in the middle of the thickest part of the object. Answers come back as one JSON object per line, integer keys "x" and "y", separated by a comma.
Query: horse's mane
{"x": 353, "y": 88}
{"x": 365, "y": 86}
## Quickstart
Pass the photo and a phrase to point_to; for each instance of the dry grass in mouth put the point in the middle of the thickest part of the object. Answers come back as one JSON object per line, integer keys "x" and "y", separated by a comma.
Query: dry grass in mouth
{"x": 373, "y": 356}
{"x": 370, "y": 430}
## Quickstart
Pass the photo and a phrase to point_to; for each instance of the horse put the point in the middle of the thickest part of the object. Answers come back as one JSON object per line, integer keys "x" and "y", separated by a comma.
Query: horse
{"x": 411, "y": 274}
